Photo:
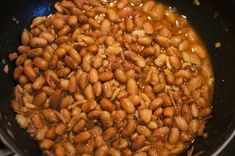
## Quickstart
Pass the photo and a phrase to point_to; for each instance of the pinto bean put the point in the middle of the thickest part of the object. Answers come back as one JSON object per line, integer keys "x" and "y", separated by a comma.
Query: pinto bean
{"x": 46, "y": 144}
{"x": 50, "y": 115}
{"x": 120, "y": 76}
{"x": 38, "y": 83}
{"x": 102, "y": 151}
{"x": 25, "y": 37}
{"x": 107, "y": 105}
{"x": 138, "y": 142}
{"x": 93, "y": 75}
{"x": 120, "y": 143}
{"x": 174, "y": 135}
{"x": 41, "y": 63}
{"x": 106, "y": 119}
{"x": 181, "y": 123}
{"x": 132, "y": 87}
{"x": 38, "y": 42}
{"x": 40, "y": 99}
{"x": 97, "y": 89}
{"x": 82, "y": 137}
{"x": 105, "y": 76}
{"x": 145, "y": 115}
{"x": 109, "y": 133}
{"x": 127, "y": 105}
{"x": 130, "y": 128}
{"x": 29, "y": 73}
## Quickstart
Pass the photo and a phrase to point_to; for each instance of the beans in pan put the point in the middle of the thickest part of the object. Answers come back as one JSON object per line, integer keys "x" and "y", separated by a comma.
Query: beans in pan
{"x": 112, "y": 78}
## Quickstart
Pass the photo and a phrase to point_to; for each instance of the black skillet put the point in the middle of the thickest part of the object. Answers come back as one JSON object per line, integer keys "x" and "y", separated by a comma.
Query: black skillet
{"x": 214, "y": 20}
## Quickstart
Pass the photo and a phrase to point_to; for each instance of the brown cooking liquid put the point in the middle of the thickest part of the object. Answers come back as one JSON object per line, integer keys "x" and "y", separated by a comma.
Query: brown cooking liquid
{"x": 183, "y": 80}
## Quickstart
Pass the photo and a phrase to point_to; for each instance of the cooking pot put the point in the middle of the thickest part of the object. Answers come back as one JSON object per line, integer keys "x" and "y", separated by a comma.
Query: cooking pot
{"x": 214, "y": 20}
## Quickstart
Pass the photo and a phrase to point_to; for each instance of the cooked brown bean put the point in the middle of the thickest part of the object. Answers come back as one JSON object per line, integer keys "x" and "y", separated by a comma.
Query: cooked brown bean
{"x": 69, "y": 148}
{"x": 106, "y": 119}
{"x": 146, "y": 41}
{"x": 105, "y": 26}
{"x": 156, "y": 103}
{"x": 174, "y": 135}
{"x": 50, "y": 115}
{"x": 58, "y": 22}
{"x": 148, "y": 6}
{"x": 97, "y": 61}
{"x": 38, "y": 83}
{"x": 64, "y": 31}
{"x": 138, "y": 142}
{"x": 149, "y": 51}
{"x": 148, "y": 28}
{"x": 47, "y": 36}
{"x": 37, "y": 121}
{"x": 89, "y": 105}
{"x": 29, "y": 73}
{"x": 38, "y": 42}
{"x": 143, "y": 130}
{"x": 109, "y": 134}
{"x": 135, "y": 99}
{"x": 75, "y": 55}
{"x": 87, "y": 148}
{"x": 107, "y": 105}
{"x": 127, "y": 105}
{"x": 130, "y": 128}
{"x": 93, "y": 76}
{"x": 84, "y": 80}
{"x": 120, "y": 76}
{"x": 160, "y": 60}
{"x": 145, "y": 115}
{"x": 107, "y": 89}
{"x": 181, "y": 123}
{"x": 114, "y": 50}
{"x": 168, "y": 112}
{"x": 41, "y": 63}
{"x": 118, "y": 116}
{"x": 40, "y": 99}
{"x": 102, "y": 151}
{"x": 105, "y": 76}
{"x": 193, "y": 126}
{"x": 66, "y": 101}
{"x": 25, "y": 37}
{"x": 148, "y": 90}
{"x": 88, "y": 92}
{"x": 23, "y": 49}
{"x": 82, "y": 137}
{"x": 163, "y": 41}
{"x": 97, "y": 89}
{"x": 195, "y": 83}
{"x": 86, "y": 62}
{"x": 46, "y": 144}
{"x": 59, "y": 150}
{"x": 114, "y": 152}
{"x": 60, "y": 129}
{"x": 120, "y": 143}
{"x": 72, "y": 84}
{"x": 132, "y": 87}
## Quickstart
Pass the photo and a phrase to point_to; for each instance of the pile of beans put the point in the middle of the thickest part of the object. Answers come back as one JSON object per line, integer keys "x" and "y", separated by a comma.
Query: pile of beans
{"x": 116, "y": 78}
